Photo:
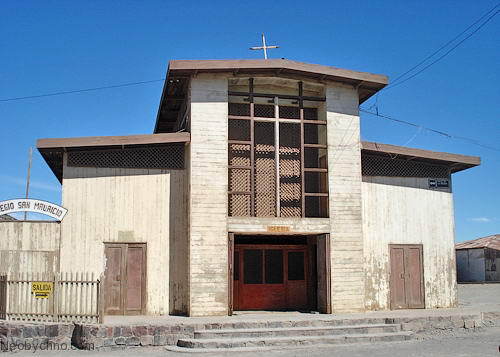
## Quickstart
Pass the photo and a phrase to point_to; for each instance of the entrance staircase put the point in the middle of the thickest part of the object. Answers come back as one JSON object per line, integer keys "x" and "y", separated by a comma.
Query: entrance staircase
{"x": 293, "y": 334}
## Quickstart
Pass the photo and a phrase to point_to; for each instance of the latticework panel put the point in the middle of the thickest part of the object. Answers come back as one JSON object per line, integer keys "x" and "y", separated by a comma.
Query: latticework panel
{"x": 239, "y": 109}
{"x": 160, "y": 157}
{"x": 239, "y": 180}
{"x": 239, "y": 155}
{"x": 263, "y": 111}
{"x": 239, "y": 129}
{"x": 290, "y": 171}
{"x": 374, "y": 165}
{"x": 289, "y": 112}
{"x": 311, "y": 113}
{"x": 239, "y": 205}
{"x": 265, "y": 170}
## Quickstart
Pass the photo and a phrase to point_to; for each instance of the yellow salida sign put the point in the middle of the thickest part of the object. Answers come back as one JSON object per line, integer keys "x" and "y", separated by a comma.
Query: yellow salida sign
{"x": 42, "y": 289}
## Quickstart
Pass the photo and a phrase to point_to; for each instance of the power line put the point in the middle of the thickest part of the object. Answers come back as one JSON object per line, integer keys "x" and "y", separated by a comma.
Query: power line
{"x": 444, "y": 46}
{"x": 445, "y": 54}
{"x": 439, "y": 132}
{"x": 80, "y": 90}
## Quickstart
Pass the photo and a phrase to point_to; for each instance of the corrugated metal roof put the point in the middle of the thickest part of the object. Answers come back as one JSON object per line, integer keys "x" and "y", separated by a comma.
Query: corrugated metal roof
{"x": 492, "y": 242}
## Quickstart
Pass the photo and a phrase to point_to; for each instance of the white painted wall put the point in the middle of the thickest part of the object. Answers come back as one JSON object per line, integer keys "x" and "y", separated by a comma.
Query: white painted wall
{"x": 401, "y": 211}
{"x": 118, "y": 205}
{"x": 208, "y": 285}
{"x": 344, "y": 180}
{"x": 29, "y": 246}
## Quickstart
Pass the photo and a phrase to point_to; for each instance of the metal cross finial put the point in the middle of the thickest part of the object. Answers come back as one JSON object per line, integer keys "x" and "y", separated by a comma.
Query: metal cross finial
{"x": 263, "y": 47}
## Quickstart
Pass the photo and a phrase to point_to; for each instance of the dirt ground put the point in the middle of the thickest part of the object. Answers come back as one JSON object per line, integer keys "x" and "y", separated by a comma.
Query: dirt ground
{"x": 484, "y": 297}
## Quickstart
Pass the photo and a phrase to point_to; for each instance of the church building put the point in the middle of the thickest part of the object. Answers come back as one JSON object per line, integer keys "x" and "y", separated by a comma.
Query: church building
{"x": 255, "y": 192}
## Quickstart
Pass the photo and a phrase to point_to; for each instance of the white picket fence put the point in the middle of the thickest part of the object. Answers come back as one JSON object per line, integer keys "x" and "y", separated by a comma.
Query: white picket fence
{"x": 75, "y": 297}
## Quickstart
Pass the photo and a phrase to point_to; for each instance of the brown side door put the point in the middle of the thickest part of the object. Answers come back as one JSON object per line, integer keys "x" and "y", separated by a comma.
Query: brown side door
{"x": 324, "y": 274}
{"x": 125, "y": 279}
{"x": 406, "y": 279}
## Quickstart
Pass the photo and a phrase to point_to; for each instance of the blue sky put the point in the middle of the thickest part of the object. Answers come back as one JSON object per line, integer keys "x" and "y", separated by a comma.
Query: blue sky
{"x": 51, "y": 46}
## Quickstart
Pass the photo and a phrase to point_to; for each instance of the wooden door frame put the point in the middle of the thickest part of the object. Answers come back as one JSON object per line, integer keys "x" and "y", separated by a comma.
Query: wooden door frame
{"x": 230, "y": 274}
{"x": 124, "y": 280}
{"x": 422, "y": 285}
{"x": 328, "y": 272}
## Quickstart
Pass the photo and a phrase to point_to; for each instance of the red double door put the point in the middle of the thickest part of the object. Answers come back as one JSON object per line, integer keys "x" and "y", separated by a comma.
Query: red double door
{"x": 270, "y": 277}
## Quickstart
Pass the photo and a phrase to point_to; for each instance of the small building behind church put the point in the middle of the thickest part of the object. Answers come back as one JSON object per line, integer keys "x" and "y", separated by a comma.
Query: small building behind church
{"x": 256, "y": 192}
{"x": 478, "y": 260}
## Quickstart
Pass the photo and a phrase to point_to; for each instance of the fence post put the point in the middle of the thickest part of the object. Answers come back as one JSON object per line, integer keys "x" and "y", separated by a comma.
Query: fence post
{"x": 100, "y": 300}
{"x": 55, "y": 298}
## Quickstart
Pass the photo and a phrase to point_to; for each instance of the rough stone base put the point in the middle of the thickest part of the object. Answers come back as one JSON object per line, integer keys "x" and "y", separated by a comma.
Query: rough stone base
{"x": 108, "y": 337}
{"x": 15, "y": 336}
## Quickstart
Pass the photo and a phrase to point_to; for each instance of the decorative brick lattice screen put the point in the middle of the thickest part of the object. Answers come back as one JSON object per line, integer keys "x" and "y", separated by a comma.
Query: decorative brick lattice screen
{"x": 160, "y": 157}
{"x": 289, "y": 112}
{"x": 373, "y": 165}
{"x": 290, "y": 168}
{"x": 265, "y": 170}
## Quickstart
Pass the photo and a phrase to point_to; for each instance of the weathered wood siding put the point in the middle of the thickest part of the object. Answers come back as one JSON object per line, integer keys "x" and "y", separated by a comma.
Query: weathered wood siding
{"x": 29, "y": 246}
{"x": 208, "y": 265}
{"x": 108, "y": 205}
{"x": 344, "y": 179}
{"x": 405, "y": 211}
{"x": 179, "y": 242}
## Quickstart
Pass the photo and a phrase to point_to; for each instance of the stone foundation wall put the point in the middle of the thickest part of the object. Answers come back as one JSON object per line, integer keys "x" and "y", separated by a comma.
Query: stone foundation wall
{"x": 15, "y": 336}
{"x": 109, "y": 337}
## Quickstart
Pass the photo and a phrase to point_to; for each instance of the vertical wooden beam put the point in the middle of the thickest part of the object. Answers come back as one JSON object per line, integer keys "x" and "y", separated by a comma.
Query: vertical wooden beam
{"x": 230, "y": 274}
{"x": 252, "y": 151}
{"x": 277, "y": 154}
{"x": 302, "y": 174}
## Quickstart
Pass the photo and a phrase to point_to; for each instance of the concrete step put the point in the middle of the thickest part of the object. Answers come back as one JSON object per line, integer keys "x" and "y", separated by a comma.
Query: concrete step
{"x": 286, "y": 323}
{"x": 290, "y": 341}
{"x": 297, "y": 331}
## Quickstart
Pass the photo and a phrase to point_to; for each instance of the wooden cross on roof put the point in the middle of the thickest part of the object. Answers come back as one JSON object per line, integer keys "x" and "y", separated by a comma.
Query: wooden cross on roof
{"x": 263, "y": 47}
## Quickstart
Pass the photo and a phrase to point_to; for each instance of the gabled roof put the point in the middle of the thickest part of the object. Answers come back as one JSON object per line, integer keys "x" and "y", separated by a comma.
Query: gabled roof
{"x": 176, "y": 82}
{"x": 492, "y": 242}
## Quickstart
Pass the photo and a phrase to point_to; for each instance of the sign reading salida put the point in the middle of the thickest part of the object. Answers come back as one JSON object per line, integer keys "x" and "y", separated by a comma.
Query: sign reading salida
{"x": 31, "y": 205}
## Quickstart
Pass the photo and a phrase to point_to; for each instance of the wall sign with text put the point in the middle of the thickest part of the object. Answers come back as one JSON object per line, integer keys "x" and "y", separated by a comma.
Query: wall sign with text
{"x": 439, "y": 183}
{"x": 31, "y": 205}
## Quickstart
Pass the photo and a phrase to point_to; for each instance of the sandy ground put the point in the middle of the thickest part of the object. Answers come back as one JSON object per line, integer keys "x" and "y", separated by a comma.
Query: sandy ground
{"x": 484, "y": 297}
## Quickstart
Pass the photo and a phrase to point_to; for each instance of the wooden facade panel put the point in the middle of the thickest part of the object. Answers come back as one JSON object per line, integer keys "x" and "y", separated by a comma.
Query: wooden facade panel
{"x": 398, "y": 214}
{"x": 118, "y": 206}
{"x": 29, "y": 246}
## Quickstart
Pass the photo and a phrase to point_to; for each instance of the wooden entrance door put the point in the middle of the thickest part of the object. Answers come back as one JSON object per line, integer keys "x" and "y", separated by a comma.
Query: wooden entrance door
{"x": 270, "y": 277}
{"x": 125, "y": 279}
{"x": 407, "y": 280}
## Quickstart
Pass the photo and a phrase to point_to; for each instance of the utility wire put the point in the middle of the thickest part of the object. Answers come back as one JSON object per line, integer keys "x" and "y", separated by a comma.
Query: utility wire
{"x": 443, "y": 46}
{"x": 80, "y": 90}
{"x": 450, "y": 136}
{"x": 445, "y": 54}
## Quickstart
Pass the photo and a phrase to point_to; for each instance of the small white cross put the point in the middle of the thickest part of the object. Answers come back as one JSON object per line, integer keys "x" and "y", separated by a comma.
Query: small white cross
{"x": 263, "y": 47}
